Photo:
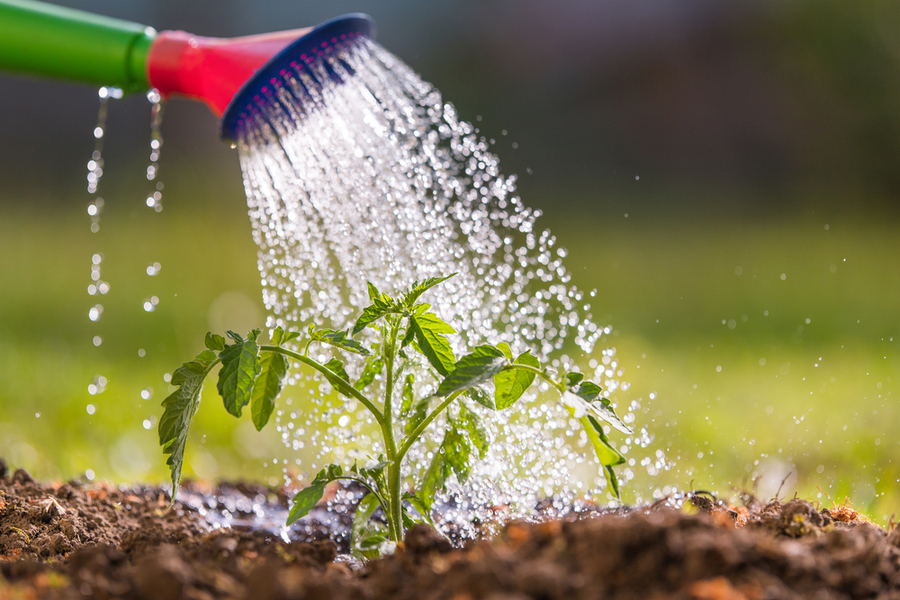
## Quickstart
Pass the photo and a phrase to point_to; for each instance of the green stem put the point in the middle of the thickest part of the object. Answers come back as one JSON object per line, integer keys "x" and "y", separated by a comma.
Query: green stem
{"x": 372, "y": 490}
{"x": 345, "y": 386}
{"x": 414, "y": 436}
{"x": 394, "y": 496}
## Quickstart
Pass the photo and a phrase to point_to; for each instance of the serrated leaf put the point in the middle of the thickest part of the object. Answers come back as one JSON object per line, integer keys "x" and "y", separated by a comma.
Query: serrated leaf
{"x": 471, "y": 424}
{"x": 215, "y": 342}
{"x": 240, "y": 366}
{"x": 483, "y": 363}
{"x": 452, "y": 457}
{"x": 180, "y": 407}
{"x": 429, "y": 331}
{"x": 373, "y": 367}
{"x": 599, "y": 408}
{"x": 338, "y": 339}
{"x": 511, "y": 384}
{"x": 417, "y": 289}
{"x": 336, "y": 366}
{"x": 267, "y": 387}
{"x": 305, "y": 501}
{"x": 482, "y": 397}
{"x": 382, "y": 305}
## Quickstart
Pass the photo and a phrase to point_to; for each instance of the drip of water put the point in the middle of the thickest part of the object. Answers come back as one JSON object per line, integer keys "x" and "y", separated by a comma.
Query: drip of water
{"x": 377, "y": 179}
{"x": 97, "y": 286}
{"x": 154, "y": 200}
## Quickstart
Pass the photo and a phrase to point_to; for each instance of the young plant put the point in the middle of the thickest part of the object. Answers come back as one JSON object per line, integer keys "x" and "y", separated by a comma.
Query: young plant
{"x": 254, "y": 374}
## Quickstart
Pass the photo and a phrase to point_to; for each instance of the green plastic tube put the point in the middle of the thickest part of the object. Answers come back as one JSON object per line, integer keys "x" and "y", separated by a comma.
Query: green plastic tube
{"x": 47, "y": 40}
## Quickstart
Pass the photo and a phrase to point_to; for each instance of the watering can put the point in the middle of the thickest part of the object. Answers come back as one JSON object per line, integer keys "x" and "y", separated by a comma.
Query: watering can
{"x": 234, "y": 76}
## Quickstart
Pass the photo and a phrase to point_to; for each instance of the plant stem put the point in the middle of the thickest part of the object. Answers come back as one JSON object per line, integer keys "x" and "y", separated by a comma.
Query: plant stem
{"x": 395, "y": 518}
{"x": 346, "y": 386}
{"x": 414, "y": 436}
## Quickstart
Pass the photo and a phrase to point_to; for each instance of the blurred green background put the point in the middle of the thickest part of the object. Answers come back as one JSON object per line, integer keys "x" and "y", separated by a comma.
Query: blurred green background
{"x": 726, "y": 174}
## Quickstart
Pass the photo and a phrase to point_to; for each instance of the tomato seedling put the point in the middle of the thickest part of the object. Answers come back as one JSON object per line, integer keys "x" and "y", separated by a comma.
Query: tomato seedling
{"x": 254, "y": 374}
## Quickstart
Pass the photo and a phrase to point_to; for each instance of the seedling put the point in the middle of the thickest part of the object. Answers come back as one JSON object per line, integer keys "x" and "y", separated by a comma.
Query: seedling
{"x": 254, "y": 374}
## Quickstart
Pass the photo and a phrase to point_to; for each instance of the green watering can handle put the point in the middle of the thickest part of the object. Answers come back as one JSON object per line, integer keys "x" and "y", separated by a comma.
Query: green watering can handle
{"x": 64, "y": 43}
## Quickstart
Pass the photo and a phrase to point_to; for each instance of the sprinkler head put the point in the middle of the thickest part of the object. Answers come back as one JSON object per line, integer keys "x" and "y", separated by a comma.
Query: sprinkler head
{"x": 237, "y": 77}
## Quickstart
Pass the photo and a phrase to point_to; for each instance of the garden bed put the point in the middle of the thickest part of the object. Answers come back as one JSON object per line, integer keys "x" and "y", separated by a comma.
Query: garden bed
{"x": 75, "y": 541}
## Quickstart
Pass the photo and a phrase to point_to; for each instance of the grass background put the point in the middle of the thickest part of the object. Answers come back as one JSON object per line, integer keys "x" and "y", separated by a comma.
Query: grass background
{"x": 756, "y": 348}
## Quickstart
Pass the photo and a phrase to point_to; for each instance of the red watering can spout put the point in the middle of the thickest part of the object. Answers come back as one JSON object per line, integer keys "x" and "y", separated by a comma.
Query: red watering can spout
{"x": 211, "y": 69}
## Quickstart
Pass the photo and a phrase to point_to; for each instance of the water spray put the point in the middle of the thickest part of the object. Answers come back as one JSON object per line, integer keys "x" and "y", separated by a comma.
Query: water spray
{"x": 235, "y": 77}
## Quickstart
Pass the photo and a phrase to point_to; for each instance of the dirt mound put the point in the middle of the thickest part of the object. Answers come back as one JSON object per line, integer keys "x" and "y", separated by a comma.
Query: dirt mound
{"x": 69, "y": 541}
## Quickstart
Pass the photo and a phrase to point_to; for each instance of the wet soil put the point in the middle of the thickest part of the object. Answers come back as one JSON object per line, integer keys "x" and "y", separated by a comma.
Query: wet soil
{"x": 100, "y": 541}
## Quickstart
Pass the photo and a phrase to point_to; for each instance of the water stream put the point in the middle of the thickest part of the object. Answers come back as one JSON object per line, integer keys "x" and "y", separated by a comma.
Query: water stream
{"x": 378, "y": 179}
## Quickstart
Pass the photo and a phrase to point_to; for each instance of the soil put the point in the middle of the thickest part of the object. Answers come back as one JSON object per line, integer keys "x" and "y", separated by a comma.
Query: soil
{"x": 100, "y": 541}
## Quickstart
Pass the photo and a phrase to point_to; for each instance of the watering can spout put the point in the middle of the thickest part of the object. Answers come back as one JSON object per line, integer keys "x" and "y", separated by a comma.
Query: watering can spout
{"x": 43, "y": 39}
{"x": 211, "y": 69}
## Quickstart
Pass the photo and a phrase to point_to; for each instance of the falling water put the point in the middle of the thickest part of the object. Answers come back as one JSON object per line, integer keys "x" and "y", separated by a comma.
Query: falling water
{"x": 377, "y": 179}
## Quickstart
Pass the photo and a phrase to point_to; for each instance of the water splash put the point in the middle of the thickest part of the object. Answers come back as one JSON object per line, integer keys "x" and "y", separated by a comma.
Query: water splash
{"x": 377, "y": 179}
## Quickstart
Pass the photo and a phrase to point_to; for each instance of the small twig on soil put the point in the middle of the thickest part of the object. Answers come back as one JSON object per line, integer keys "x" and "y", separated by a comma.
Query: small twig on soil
{"x": 783, "y": 481}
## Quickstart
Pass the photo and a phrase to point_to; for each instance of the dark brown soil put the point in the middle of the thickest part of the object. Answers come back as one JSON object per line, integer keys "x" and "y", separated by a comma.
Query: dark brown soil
{"x": 72, "y": 541}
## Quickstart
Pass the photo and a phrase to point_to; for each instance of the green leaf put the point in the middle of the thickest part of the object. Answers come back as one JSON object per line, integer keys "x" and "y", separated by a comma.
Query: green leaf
{"x": 420, "y": 507}
{"x": 366, "y": 536}
{"x": 309, "y": 496}
{"x": 277, "y": 335}
{"x": 382, "y": 305}
{"x": 586, "y": 400}
{"x": 417, "y": 414}
{"x": 407, "y": 396}
{"x": 409, "y": 337}
{"x": 338, "y": 339}
{"x": 452, "y": 457}
{"x": 483, "y": 363}
{"x": 180, "y": 407}
{"x": 240, "y": 366}
{"x": 273, "y": 370}
{"x": 215, "y": 342}
{"x": 611, "y": 480}
{"x": 305, "y": 501}
{"x": 337, "y": 367}
{"x": 589, "y": 390}
{"x": 374, "y": 294}
{"x": 606, "y": 452}
{"x": 574, "y": 378}
{"x": 417, "y": 289}
{"x": 471, "y": 424}
{"x": 482, "y": 397}
{"x": 505, "y": 349}
{"x": 373, "y": 367}
{"x": 429, "y": 331}
{"x": 510, "y": 384}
